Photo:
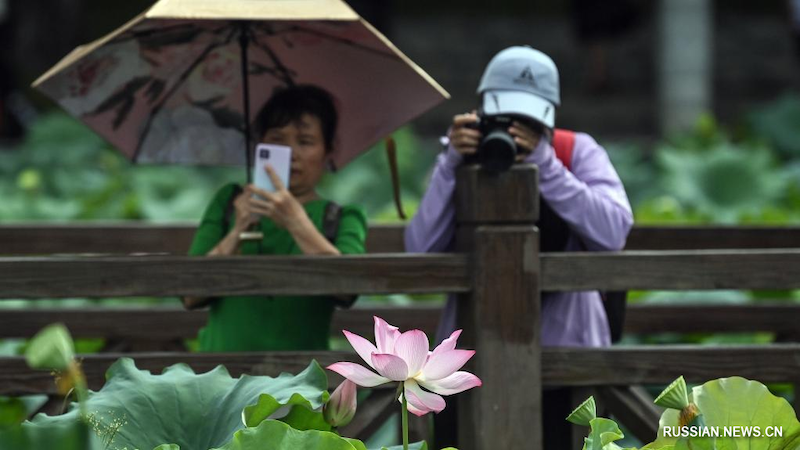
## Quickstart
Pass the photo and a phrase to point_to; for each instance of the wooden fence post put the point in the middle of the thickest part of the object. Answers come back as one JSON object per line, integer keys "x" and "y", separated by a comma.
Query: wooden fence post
{"x": 500, "y": 316}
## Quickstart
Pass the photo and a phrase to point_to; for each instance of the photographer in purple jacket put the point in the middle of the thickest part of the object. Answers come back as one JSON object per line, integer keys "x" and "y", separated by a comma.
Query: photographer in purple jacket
{"x": 584, "y": 206}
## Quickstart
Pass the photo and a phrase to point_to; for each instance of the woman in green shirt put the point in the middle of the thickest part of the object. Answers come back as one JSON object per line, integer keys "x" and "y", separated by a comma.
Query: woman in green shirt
{"x": 291, "y": 219}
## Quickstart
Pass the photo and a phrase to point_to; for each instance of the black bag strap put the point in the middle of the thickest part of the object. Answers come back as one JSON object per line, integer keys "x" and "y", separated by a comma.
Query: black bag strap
{"x": 330, "y": 221}
{"x": 330, "y": 229}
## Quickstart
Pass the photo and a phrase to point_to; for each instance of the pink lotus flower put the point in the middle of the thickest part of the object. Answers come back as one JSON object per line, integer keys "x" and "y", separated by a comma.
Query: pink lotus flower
{"x": 404, "y": 357}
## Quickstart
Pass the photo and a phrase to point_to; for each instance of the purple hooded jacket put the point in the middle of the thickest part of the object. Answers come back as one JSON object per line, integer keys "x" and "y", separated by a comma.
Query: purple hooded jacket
{"x": 590, "y": 198}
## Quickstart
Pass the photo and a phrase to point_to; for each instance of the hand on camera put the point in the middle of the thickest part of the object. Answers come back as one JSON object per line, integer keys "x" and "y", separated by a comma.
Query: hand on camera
{"x": 463, "y": 139}
{"x": 526, "y": 138}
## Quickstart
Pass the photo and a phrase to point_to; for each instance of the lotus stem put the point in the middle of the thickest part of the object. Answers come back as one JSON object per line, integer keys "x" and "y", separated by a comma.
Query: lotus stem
{"x": 405, "y": 422}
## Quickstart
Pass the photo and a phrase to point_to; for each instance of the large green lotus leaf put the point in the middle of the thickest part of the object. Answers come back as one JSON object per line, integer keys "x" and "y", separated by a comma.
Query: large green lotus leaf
{"x": 12, "y": 412}
{"x": 63, "y": 435}
{"x": 276, "y": 435}
{"x": 735, "y": 401}
{"x": 422, "y": 445}
{"x": 777, "y": 122}
{"x": 140, "y": 410}
{"x": 725, "y": 182}
{"x": 738, "y": 401}
{"x": 670, "y": 418}
{"x": 297, "y": 412}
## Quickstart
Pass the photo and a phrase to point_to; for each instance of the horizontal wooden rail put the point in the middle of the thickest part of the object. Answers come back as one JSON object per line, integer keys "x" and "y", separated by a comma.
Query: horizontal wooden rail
{"x": 159, "y": 324}
{"x": 672, "y": 270}
{"x": 60, "y": 277}
{"x": 137, "y": 237}
{"x": 783, "y": 318}
{"x": 560, "y": 366}
{"x": 30, "y": 277}
{"x": 662, "y": 364}
{"x": 712, "y": 237}
{"x": 174, "y": 323}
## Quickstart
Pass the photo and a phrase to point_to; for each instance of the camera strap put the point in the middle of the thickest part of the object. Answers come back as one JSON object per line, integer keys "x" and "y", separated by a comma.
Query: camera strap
{"x": 564, "y": 144}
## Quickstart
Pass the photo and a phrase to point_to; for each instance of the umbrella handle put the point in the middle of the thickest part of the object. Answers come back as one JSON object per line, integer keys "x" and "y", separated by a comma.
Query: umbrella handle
{"x": 251, "y": 235}
{"x": 244, "y": 40}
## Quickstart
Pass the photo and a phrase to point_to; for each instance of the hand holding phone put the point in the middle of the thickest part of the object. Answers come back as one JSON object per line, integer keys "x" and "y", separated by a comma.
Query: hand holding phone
{"x": 277, "y": 156}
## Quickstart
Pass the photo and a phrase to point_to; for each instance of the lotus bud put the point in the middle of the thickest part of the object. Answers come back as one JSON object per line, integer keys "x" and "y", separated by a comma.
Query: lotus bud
{"x": 584, "y": 413}
{"x": 675, "y": 396}
{"x": 52, "y": 348}
{"x": 341, "y": 407}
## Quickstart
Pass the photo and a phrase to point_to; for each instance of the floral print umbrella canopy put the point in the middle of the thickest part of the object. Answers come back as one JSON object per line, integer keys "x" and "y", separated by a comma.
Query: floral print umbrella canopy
{"x": 168, "y": 86}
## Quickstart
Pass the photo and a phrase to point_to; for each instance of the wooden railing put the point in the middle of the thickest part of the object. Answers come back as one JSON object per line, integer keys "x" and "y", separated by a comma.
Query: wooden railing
{"x": 164, "y": 324}
{"x": 30, "y": 239}
{"x": 498, "y": 274}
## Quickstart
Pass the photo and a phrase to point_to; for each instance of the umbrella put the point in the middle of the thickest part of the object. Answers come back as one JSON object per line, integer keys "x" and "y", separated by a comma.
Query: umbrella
{"x": 176, "y": 84}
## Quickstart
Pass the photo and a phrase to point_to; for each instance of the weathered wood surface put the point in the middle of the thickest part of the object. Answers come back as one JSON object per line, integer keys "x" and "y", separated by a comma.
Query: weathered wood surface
{"x": 632, "y": 365}
{"x": 176, "y": 323}
{"x": 485, "y": 198}
{"x": 634, "y": 407}
{"x": 387, "y": 273}
{"x": 616, "y": 366}
{"x": 122, "y": 237}
{"x": 672, "y": 270}
{"x": 32, "y": 277}
{"x": 712, "y": 237}
{"x": 777, "y": 317}
{"x": 136, "y": 237}
{"x": 500, "y": 318}
{"x": 372, "y": 414}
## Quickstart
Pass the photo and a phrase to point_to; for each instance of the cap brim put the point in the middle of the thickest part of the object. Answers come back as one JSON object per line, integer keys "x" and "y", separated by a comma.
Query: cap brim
{"x": 519, "y": 103}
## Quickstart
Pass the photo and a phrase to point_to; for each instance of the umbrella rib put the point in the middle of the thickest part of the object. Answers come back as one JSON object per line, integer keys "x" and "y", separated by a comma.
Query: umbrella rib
{"x": 281, "y": 71}
{"x": 175, "y": 87}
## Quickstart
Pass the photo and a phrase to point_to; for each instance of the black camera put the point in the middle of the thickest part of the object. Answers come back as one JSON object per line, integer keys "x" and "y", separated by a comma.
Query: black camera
{"x": 497, "y": 150}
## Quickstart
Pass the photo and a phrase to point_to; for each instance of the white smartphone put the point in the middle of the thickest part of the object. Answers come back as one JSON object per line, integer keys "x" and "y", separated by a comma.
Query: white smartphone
{"x": 277, "y": 156}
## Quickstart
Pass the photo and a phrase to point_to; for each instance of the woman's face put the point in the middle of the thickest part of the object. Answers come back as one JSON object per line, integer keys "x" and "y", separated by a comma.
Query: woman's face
{"x": 305, "y": 138}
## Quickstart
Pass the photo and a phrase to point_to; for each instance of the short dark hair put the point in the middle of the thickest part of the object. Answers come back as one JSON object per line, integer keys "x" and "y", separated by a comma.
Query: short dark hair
{"x": 288, "y": 105}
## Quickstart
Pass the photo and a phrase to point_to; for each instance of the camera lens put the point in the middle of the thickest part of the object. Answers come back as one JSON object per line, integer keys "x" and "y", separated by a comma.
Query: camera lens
{"x": 498, "y": 151}
{"x": 263, "y": 154}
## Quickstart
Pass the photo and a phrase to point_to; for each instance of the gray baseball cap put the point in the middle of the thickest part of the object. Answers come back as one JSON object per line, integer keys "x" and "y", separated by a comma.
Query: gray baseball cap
{"x": 523, "y": 81}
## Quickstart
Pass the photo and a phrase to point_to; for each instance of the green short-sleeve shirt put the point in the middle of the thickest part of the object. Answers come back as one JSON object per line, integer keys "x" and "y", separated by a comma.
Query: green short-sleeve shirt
{"x": 238, "y": 324}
